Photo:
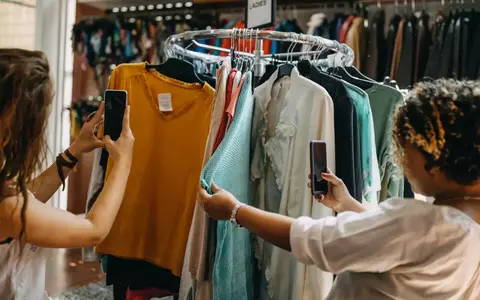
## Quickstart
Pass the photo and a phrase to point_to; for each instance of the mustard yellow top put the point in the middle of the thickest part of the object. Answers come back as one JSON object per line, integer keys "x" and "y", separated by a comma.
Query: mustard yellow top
{"x": 155, "y": 217}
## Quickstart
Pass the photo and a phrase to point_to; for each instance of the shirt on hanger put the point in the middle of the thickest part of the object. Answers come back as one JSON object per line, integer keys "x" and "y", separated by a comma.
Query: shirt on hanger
{"x": 357, "y": 40}
{"x": 393, "y": 251}
{"x": 391, "y": 37}
{"x": 371, "y": 173}
{"x": 406, "y": 65}
{"x": 446, "y": 61}
{"x": 347, "y": 143}
{"x": 376, "y": 55}
{"x": 434, "y": 60}
{"x": 230, "y": 110}
{"x": 288, "y": 114}
{"x": 170, "y": 120}
{"x": 229, "y": 92}
{"x": 423, "y": 45}
{"x": 229, "y": 169}
{"x": 397, "y": 53}
{"x": 345, "y": 28}
{"x": 383, "y": 102}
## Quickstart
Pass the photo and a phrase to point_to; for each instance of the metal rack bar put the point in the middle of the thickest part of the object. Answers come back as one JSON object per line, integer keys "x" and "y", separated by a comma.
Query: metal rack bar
{"x": 262, "y": 35}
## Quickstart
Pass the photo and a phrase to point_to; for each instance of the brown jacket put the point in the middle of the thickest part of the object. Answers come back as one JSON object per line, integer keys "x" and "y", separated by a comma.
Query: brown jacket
{"x": 357, "y": 40}
{"x": 397, "y": 53}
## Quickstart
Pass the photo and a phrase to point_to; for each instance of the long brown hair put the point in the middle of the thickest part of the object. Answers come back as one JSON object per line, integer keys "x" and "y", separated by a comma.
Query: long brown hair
{"x": 25, "y": 98}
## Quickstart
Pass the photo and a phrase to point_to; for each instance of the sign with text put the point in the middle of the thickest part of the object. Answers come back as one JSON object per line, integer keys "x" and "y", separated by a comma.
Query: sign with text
{"x": 260, "y": 13}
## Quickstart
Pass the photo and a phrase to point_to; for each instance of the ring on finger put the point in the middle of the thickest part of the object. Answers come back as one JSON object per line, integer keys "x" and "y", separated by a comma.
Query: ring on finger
{"x": 90, "y": 116}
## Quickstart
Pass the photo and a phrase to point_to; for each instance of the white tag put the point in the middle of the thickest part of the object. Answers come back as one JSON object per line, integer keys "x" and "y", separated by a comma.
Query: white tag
{"x": 165, "y": 102}
{"x": 260, "y": 13}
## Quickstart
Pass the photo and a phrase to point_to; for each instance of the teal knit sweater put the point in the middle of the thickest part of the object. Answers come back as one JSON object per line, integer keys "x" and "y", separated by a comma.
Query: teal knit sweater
{"x": 229, "y": 169}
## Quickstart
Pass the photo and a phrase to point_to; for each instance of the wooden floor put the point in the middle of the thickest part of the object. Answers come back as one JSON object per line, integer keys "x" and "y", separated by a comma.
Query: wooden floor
{"x": 66, "y": 270}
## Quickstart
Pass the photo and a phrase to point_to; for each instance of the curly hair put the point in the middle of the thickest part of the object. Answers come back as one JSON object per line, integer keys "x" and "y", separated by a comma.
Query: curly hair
{"x": 442, "y": 119}
{"x": 25, "y": 97}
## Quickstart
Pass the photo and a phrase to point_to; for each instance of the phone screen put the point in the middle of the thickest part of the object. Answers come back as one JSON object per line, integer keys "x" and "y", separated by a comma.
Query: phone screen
{"x": 318, "y": 165}
{"x": 115, "y": 104}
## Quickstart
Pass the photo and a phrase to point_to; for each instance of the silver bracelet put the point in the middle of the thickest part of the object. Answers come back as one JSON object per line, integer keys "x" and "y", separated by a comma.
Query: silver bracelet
{"x": 233, "y": 217}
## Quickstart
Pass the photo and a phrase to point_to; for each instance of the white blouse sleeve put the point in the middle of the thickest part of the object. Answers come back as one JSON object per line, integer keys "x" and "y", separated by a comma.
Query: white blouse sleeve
{"x": 377, "y": 240}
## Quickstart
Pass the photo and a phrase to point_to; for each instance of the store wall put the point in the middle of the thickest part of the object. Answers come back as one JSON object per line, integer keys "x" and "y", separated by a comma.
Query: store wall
{"x": 53, "y": 21}
{"x": 83, "y": 85}
{"x": 17, "y": 25}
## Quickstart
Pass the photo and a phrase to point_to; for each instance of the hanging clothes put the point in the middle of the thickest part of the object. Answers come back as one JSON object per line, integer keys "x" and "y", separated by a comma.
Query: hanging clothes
{"x": 406, "y": 66}
{"x": 228, "y": 168}
{"x": 284, "y": 47}
{"x": 422, "y": 46}
{"x": 391, "y": 37}
{"x": 371, "y": 173}
{"x": 160, "y": 231}
{"x": 342, "y": 36}
{"x": 288, "y": 114}
{"x": 446, "y": 61}
{"x": 318, "y": 25}
{"x": 356, "y": 39}
{"x": 473, "y": 68}
{"x": 435, "y": 56}
{"x": 376, "y": 57}
{"x": 347, "y": 142}
{"x": 397, "y": 52}
{"x": 383, "y": 102}
{"x": 140, "y": 277}
{"x": 196, "y": 253}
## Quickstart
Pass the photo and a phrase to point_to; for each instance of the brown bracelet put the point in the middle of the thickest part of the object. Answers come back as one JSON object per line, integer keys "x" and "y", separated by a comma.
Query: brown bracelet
{"x": 70, "y": 156}
{"x": 62, "y": 162}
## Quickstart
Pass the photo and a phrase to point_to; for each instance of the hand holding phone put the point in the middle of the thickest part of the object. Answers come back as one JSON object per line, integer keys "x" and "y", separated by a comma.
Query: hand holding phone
{"x": 115, "y": 103}
{"x": 318, "y": 165}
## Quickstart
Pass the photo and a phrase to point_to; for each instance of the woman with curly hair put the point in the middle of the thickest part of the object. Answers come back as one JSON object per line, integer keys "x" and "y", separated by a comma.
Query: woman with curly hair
{"x": 27, "y": 223}
{"x": 404, "y": 248}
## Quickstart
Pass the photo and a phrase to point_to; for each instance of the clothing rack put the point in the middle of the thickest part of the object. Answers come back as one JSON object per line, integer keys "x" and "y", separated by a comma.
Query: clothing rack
{"x": 345, "y": 58}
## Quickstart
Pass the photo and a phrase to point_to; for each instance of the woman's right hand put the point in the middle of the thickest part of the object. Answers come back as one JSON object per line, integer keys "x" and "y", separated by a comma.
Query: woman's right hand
{"x": 121, "y": 150}
{"x": 338, "y": 198}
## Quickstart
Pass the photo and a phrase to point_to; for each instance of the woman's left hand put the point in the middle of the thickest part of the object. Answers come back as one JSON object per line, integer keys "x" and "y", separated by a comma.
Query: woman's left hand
{"x": 87, "y": 141}
{"x": 218, "y": 206}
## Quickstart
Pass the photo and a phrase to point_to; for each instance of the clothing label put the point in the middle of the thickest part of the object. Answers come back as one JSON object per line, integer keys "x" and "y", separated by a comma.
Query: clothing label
{"x": 165, "y": 102}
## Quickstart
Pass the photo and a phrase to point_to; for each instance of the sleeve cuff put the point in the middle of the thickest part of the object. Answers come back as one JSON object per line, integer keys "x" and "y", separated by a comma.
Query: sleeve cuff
{"x": 299, "y": 239}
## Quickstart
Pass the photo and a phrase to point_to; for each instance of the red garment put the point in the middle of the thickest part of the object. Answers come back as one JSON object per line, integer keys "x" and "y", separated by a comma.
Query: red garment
{"x": 230, "y": 111}
{"x": 147, "y": 294}
{"x": 345, "y": 28}
{"x": 223, "y": 126}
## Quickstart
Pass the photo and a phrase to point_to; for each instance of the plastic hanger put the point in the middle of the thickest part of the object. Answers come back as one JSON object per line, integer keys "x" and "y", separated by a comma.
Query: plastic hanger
{"x": 356, "y": 73}
{"x": 363, "y": 84}
{"x": 286, "y": 69}
{"x": 177, "y": 69}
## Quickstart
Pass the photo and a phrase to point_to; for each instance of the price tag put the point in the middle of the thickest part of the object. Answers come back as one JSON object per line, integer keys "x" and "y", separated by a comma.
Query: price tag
{"x": 260, "y": 13}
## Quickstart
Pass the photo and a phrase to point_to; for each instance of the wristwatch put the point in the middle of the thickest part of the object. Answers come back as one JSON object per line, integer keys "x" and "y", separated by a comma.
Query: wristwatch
{"x": 233, "y": 217}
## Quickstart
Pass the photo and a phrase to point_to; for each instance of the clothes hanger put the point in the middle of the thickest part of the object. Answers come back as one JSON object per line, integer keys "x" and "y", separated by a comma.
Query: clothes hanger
{"x": 361, "y": 83}
{"x": 286, "y": 69}
{"x": 356, "y": 73}
{"x": 178, "y": 69}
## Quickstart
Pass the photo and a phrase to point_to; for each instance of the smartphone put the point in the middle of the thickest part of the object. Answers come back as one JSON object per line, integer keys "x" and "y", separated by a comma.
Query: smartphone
{"x": 318, "y": 165}
{"x": 115, "y": 104}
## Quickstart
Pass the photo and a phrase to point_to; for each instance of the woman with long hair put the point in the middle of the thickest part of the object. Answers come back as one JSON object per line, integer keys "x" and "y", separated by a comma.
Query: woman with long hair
{"x": 27, "y": 223}
{"x": 404, "y": 248}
